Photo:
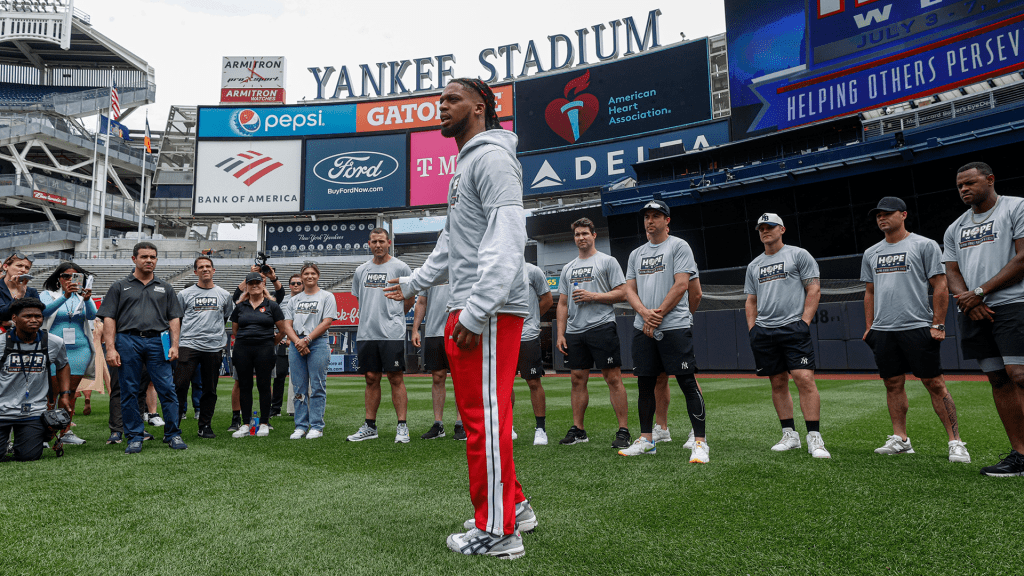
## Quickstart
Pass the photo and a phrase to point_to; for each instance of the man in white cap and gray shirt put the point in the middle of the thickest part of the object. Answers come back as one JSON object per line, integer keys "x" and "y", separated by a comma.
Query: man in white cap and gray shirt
{"x": 904, "y": 329}
{"x": 783, "y": 289}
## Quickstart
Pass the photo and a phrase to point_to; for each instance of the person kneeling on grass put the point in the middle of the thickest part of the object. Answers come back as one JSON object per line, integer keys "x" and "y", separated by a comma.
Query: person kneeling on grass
{"x": 24, "y": 379}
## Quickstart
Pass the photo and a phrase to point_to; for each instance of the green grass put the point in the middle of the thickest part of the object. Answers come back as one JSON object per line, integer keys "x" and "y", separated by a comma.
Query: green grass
{"x": 273, "y": 506}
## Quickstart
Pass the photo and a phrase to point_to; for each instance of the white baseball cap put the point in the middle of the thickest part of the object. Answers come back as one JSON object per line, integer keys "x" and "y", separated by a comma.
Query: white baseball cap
{"x": 768, "y": 218}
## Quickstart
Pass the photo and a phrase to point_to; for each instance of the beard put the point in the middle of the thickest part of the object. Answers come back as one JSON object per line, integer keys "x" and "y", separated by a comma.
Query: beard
{"x": 456, "y": 128}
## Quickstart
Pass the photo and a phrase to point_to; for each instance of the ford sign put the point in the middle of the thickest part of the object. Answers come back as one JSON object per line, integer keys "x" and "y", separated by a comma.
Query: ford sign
{"x": 359, "y": 167}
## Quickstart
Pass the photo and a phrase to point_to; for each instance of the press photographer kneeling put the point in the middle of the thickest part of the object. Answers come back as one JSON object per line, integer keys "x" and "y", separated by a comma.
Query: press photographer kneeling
{"x": 25, "y": 379}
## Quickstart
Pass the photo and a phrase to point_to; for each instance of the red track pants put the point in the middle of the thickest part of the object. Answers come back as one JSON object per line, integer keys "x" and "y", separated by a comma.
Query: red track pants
{"x": 482, "y": 379}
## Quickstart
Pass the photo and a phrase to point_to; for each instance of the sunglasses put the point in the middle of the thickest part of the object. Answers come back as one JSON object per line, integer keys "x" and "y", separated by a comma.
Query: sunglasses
{"x": 21, "y": 256}
{"x": 295, "y": 283}
{"x": 65, "y": 276}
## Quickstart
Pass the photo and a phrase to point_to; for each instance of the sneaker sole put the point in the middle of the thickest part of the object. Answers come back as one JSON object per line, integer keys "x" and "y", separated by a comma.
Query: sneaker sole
{"x": 959, "y": 460}
{"x": 911, "y": 451}
{"x": 402, "y": 440}
{"x": 360, "y": 439}
{"x": 576, "y": 441}
{"x": 441, "y": 435}
{"x": 544, "y": 443}
{"x": 1001, "y": 474}
{"x": 528, "y": 527}
{"x": 261, "y": 435}
{"x": 651, "y": 452}
{"x": 698, "y": 461}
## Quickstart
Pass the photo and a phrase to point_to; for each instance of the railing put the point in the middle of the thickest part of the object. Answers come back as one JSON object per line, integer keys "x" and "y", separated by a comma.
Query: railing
{"x": 948, "y": 110}
{"x": 16, "y": 125}
{"x": 115, "y": 202}
{"x": 71, "y": 226}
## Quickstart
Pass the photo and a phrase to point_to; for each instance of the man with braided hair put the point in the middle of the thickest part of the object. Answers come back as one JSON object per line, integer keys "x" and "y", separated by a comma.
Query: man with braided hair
{"x": 480, "y": 253}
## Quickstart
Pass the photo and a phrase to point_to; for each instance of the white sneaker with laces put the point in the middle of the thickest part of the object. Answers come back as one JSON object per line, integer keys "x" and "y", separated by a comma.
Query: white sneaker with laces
{"x": 155, "y": 420}
{"x": 790, "y": 441}
{"x": 71, "y": 439}
{"x": 816, "y": 446}
{"x": 895, "y": 445}
{"x": 242, "y": 431}
{"x": 958, "y": 452}
{"x": 264, "y": 430}
{"x": 514, "y": 435}
{"x": 660, "y": 434}
{"x": 640, "y": 446}
{"x": 689, "y": 440}
{"x": 314, "y": 434}
{"x": 402, "y": 434}
{"x": 699, "y": 455}
{"x": 364, "y": 433}
{"x": 298, "y": 434}
{"x": 540, "y": 437}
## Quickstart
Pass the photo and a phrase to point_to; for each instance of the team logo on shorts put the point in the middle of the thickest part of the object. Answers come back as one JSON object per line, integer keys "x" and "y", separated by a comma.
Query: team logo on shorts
{"x": 686, "y": 365}
{"x": 652, "y": 264}
{"x": 611, "y": 360}
{"x": 771, "y": 272}
{"x": 584, "y": 274}
{"x": 891, "y": 263}
{"x": 977, "y": 235}
{"x": 376, "y": 280}
{"x": 804, "y": 360}
{"x": 206, "y": 303}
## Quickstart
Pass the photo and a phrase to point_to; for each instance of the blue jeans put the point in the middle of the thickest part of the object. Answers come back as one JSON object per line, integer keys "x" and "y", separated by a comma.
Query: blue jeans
{"x": 134, "y": 351}
{"x": 309, "y": 383}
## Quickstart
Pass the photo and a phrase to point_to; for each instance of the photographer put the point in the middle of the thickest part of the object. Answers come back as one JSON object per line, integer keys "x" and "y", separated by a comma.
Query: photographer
{"x": 13, "y": 285}
{"x": 24, "y": 382}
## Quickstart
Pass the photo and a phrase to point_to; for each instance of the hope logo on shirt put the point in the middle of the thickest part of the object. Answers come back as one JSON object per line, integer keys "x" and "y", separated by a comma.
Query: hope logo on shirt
{"x": 206, "y": 303}
{"x": 375, "y": 280}
{"x": 888, "y": 263}
{"x": 453, "y": 192}
{"x": 771, "y": 272}
{"x": 582, "y": 274}
{"x": 977, "y": 235}
{"x": 307, "y": 307}
{"x": 25, "y": 363}
{"x": 652, "y": 264}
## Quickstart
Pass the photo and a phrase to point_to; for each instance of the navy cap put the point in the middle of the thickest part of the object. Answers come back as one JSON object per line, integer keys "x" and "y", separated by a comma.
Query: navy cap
{"x": 656, "y": 205}
{"x": 889, "y": 204}
{"x": 253, "y": 277}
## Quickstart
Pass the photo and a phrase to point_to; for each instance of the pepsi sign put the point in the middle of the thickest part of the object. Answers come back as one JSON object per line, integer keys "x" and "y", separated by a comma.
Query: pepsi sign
{"x": 357, "y": 173}
{"x": 276, "y": 121}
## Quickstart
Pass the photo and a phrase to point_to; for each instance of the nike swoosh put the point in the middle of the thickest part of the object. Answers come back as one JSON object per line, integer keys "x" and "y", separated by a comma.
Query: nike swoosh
{"x": 127, "y": 288}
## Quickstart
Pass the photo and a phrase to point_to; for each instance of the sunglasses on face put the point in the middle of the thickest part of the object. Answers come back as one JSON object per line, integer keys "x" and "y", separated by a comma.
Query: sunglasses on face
{"x": 65, "y": 276}
{"x": 295, "y": 283}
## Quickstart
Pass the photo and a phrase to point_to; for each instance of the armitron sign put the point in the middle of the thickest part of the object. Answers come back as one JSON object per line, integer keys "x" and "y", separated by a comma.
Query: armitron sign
{"x": 252, "y": 79}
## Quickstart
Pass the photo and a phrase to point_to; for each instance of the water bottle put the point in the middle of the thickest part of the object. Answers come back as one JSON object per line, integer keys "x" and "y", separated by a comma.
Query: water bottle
{"x": 575, "y": 287}
{"x": 254, "y": 423}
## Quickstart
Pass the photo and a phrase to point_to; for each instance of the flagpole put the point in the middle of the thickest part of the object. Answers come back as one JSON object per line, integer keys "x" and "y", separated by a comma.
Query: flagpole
{"x": 92, "y": 189}
{"x": 106, "y": 162}
{"x": 142, "y": 189}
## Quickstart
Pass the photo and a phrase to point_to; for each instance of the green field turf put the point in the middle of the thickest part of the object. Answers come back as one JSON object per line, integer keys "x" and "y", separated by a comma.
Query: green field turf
{"x": 271, "y": 505}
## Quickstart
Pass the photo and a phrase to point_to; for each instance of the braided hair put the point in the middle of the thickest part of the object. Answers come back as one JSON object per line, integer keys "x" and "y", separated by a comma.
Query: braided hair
{"x": 480, "y": 87}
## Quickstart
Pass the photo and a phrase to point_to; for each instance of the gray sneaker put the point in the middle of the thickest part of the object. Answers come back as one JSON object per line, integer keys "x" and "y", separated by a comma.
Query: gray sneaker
{"x": 364, "y": 433}
{"x": 478, "y": 542}
{"x": 69, "y": 437}
{"x": 526, "y": 519}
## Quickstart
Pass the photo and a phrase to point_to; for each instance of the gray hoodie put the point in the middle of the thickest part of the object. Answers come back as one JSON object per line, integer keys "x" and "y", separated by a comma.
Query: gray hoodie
{"x": 480, "y": 251}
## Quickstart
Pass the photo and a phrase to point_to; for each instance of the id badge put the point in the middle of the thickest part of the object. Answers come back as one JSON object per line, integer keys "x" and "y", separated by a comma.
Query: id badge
{"x": 69, "y": 336}
{"x": 26, "y": 408}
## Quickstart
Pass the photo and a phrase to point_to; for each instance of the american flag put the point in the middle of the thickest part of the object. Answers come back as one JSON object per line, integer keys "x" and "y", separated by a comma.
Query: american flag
{"x": 115, "y": 102}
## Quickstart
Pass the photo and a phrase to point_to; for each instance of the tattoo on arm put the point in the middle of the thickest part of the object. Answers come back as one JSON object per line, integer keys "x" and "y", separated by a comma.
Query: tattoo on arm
{"x": 810, "y": 281}
{"x": 947, "y": 401}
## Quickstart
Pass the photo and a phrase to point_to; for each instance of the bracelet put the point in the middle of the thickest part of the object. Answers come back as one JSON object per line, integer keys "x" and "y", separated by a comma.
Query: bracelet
{"x": 62, "y": 392}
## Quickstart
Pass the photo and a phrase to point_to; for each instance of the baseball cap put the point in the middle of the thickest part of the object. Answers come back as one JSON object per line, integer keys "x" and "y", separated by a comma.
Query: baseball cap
{"x": 889, "y": 204}
{"x": 656, "y": 205}
{"x": 769, "y": 218}
{"x": 253, "y": 277}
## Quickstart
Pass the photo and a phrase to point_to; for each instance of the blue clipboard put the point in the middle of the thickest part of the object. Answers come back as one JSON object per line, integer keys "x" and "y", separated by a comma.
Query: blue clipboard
{"x": 165, "y": 339}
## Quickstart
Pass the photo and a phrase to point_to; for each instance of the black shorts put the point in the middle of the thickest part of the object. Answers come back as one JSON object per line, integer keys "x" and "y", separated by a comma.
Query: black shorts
{"x": 901, "y": 351}
{"x": 531, "y": 364}
{"x": 381, "y": 356}
{"x": 777, "y": 350}
{"x": 1001, "y": 338}
{"x": 673, "y": 354}
{"x": 598, "y": 346}
{"x": 434, "y": 356}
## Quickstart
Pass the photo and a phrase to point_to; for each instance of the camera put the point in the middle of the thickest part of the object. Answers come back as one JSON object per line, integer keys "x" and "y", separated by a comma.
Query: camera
{"x": 261, "y": 261}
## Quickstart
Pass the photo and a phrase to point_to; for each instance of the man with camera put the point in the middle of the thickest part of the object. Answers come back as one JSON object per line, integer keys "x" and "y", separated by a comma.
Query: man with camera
{"x": 25, "y": 382}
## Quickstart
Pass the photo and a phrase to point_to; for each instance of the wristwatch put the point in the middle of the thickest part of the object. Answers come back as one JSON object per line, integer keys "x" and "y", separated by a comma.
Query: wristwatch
{"x": 62, "y": 392}
{"x": 939, "y": 327}
{"x": 979, "y": 292}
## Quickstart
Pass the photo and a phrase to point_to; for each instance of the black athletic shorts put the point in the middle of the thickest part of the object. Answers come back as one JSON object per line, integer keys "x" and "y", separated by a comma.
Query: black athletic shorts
{"x": 531, "y": 364}
{"x": 901, "y": 351}
{"x": 777, "y": 350}
{"x": 673, "y": 354}
{"x": 598, "y": 346}
{"x": 381, "y": 356}
{"x": 434, "y": 356}
{"x": 1002, "y": 337}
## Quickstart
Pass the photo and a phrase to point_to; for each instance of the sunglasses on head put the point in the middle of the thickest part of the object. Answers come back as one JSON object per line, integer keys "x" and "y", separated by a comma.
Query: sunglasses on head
{"x": 21, "y": 256}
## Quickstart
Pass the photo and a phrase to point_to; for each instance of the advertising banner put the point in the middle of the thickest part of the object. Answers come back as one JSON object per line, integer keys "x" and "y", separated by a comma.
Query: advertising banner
{"x": 276, "y": 121}
{"x": 247, "y": 177}
{"x": 320, "y": 236}
{"x": 348, "y": 309}
{"x": 53, "y": 198}
{"x": 253, "y": 79}
{"x": 431, "y": 165}
{"x": 793, "y": 63}
{"x": 365, "y": 172}
{"x": 603, "y": 164}
{"x": 647, "y": 93}
{"x": 378, "y": 116}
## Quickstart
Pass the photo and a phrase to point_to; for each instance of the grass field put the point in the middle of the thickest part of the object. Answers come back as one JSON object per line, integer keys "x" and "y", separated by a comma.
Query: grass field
{"x": 270, "y": 505}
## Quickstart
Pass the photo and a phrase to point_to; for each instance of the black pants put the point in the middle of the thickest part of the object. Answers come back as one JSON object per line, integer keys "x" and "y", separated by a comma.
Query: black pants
{"x": 247, "y": 359}
{"x": 28, "y": 439}
{"x": 208, "y": 364}
{"x": 282, "y": 374}
{"x": 114, "y": 421}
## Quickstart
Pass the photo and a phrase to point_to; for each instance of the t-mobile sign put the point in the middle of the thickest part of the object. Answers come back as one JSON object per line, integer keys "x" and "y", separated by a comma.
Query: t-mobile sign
{"x": 432, "y": 163}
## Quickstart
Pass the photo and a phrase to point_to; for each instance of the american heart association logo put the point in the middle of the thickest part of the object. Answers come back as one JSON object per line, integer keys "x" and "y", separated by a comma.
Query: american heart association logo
{"x": 570, "y": 119}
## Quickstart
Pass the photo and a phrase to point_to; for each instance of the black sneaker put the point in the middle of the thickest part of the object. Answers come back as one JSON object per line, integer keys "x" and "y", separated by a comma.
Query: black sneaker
{"x": 574, "y": 436}
{"x": 459, "y": 433}
{"x": 115, "y": 438}
{"x": 622, "y": 439}
{"x": 206, "y": 432}
{"x": 274, "y": 412}
{"x": 1012, "y": 464}
{"x": 436, "y": 431}
{"x": 236, "y": 423}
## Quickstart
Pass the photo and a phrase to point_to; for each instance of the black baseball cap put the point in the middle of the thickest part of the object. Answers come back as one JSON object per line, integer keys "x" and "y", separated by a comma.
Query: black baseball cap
{"x": 253, "y": 277}
{"x": 656, "y": 205}
{"x": 889, "y": 204}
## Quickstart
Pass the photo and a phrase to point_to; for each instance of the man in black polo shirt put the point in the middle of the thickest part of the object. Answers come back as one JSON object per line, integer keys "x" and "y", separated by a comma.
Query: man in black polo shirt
{"x": 136, "y": 309}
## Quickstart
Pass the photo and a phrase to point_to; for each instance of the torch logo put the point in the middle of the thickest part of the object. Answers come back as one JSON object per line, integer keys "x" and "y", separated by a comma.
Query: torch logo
{"x": 571, "y": 116}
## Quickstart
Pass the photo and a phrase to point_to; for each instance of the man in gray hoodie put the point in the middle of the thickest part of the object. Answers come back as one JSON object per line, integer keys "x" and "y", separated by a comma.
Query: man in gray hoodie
{"x": 480, "y": 253}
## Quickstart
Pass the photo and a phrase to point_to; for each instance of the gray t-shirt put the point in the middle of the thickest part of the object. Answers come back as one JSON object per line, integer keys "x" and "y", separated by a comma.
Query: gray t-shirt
{"x": 538, "y": 284}
{"x": 435, "y": 317}
{"x": 654, "y": 267}
{"x": 306, "y": 311}
{"x": 778, "y": 283}
{"x": 900, "y": 273}
{"x": 981, "y": 250}
{"x": 380, "y": 318}
{"x": 206, "y": 310}
{"x": 25, "y": 380}
{"x": 599, "y": 273}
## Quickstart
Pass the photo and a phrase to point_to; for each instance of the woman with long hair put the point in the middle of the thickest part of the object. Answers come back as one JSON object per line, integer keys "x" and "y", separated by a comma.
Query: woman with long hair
{"x": 307, "y": 317}
{"x": 252, "y": 323}
{"x": 69, "y": 310}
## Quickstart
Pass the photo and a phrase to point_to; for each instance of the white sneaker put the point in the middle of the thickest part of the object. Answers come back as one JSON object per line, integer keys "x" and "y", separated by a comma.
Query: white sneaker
{"x": 264, "y": 430}
{"x": 660, "y": 434}
{"x": 70, "y": 438}
{"x": 242, "y": 431}
{"x": 298, "y": 434}
{"x": 958, "y": 453}
{"x": 790, "y": 441}
{"x": 514, "y": 435}
{"x": 816, "y": 446}
{"x": 700, "y": 452}
{"x": 479, "y": 542}
{"x": 689, "y": 440}
{"x": 894, "y": 445}
{"x": 540, "y": 437}
{"x": 402, "y": 434}
{"x": 314, "y": 434}
{"x": 640, "y": 446}
{"x": 155, "y": 420}
{"x": 364, "y": 433}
